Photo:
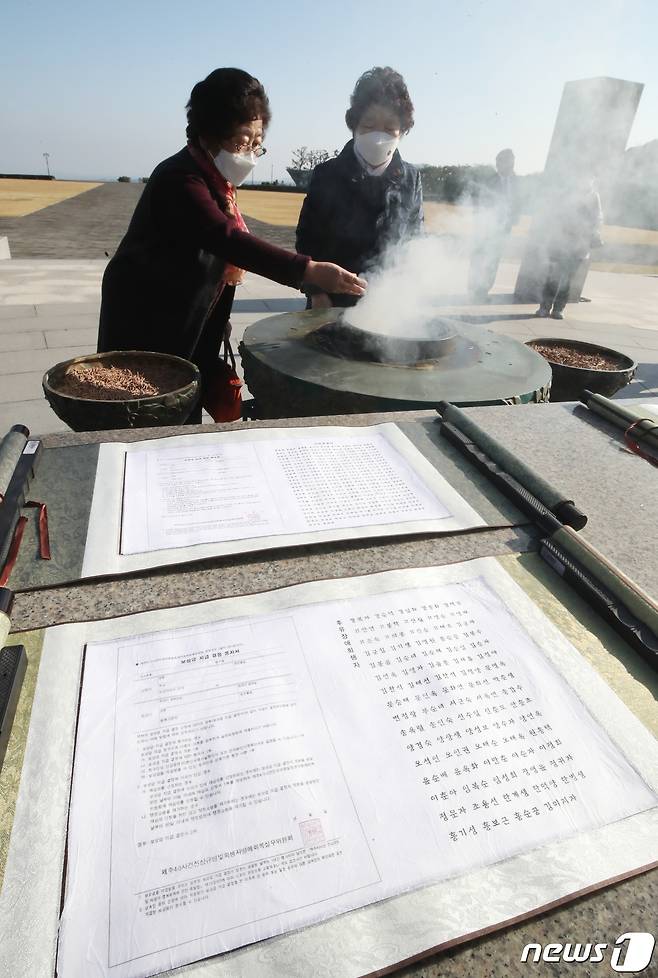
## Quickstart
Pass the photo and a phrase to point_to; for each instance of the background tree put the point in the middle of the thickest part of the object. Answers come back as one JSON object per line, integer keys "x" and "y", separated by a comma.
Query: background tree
{"x": 300, "y": 160}
{"x": 307, "y": 159}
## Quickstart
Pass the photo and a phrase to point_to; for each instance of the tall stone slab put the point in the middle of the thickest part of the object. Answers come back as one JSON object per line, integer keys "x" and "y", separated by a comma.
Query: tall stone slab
{"x": 590, "y": 135}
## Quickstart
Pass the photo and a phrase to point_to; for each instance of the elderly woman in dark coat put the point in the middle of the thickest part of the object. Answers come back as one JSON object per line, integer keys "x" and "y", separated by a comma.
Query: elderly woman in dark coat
{"x": 170, "y": 286}
{"x": 367, "y": 197}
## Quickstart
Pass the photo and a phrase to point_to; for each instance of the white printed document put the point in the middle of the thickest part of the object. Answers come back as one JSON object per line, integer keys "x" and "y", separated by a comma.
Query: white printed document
{"x": 239, "y": 810}
{"x": 179, "y": 499}
{"x": 250, "y": 775}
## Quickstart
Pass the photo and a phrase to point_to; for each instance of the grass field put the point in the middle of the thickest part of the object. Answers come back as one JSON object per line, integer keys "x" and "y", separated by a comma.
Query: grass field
{"x": 272, "y": 207}
{"x": 283, "y": 209}
{"x": 610, "y": 232}
{"x": 21, "y": 197}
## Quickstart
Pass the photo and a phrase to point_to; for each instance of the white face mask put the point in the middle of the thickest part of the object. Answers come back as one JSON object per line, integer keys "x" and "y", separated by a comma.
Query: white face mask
{"x": 376, "y": 148}
{"x": 235, "y": 167}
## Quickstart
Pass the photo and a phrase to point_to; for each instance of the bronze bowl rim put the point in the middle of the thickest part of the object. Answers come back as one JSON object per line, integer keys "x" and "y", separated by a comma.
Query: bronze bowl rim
{"x": 583, "y": 345}
{"x": 342, "y": 319}
{"x": 168, "y": 357}
{"x": 401, "y": 345}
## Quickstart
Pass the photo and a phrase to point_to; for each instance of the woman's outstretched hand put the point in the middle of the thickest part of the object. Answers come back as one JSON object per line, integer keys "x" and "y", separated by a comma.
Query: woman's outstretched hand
{"x": 320, "y": 300}
{"x": 332, "y": 278}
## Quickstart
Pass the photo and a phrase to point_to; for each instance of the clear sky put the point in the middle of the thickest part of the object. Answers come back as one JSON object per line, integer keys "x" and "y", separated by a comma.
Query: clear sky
{"x": 102, "y": 87}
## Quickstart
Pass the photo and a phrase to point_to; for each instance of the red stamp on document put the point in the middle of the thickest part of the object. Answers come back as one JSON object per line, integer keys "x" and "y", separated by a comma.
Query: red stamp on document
{"x": 312, "y": 832}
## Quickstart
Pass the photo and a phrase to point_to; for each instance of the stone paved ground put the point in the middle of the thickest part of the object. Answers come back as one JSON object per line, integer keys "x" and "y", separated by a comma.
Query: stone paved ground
{"x": 49, "y": 313}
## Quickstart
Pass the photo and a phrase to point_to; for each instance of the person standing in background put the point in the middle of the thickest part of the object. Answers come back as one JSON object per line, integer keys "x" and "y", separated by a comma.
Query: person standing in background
{"x": 367, "y": 197}
{"x": 500, "y": 209}
{"x": 572, "y": 228}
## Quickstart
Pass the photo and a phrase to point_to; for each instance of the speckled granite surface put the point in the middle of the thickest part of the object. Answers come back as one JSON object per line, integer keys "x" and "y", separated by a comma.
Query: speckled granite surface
{"x": 617, "y": 491}
{"x": 601, "y": 918}
{"x": 250, "y": 573}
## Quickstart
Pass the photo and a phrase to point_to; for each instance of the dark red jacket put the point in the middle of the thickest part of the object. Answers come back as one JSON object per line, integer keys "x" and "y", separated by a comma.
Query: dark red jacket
{"x": 159, "y": 287}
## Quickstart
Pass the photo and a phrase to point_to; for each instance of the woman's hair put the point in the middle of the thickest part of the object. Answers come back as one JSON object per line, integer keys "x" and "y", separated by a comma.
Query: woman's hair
{"x": 224, "y": 100}
{"x": 380, "y": 86}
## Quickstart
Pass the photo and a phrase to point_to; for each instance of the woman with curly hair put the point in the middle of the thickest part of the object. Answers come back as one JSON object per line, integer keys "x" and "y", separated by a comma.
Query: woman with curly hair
{"x": 367, "y": 197}
{"x": 170, "y": 286}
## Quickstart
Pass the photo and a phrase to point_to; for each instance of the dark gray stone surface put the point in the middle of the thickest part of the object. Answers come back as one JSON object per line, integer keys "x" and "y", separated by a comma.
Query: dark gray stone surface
{"x": 65, "y": 482}
{"x": 586, "y": 457}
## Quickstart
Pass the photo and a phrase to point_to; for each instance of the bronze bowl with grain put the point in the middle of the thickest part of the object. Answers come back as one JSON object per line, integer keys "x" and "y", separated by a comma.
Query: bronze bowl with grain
{"x": 171, "y": 406}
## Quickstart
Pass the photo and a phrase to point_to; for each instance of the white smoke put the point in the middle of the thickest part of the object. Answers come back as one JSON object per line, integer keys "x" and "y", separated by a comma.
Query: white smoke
{"x": 413, "y": 279}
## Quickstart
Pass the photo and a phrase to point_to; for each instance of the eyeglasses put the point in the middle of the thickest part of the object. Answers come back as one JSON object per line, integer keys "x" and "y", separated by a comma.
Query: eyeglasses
{"x": 245, "y": 148}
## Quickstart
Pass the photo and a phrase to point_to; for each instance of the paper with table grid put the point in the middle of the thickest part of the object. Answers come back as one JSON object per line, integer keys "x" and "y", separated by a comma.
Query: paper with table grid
{"x": 179, "y": 499}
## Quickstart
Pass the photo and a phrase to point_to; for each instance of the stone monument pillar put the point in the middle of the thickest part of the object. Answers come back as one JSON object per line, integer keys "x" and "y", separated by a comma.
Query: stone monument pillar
{"x": 592, "y": 127}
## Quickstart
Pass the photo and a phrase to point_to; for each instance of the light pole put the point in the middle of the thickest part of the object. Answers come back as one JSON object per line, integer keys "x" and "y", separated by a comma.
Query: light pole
{"x": 46, "y": 157}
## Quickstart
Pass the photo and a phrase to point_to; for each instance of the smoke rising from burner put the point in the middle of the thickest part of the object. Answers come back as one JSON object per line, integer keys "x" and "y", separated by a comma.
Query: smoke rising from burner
{"x": 411, "y": 281}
